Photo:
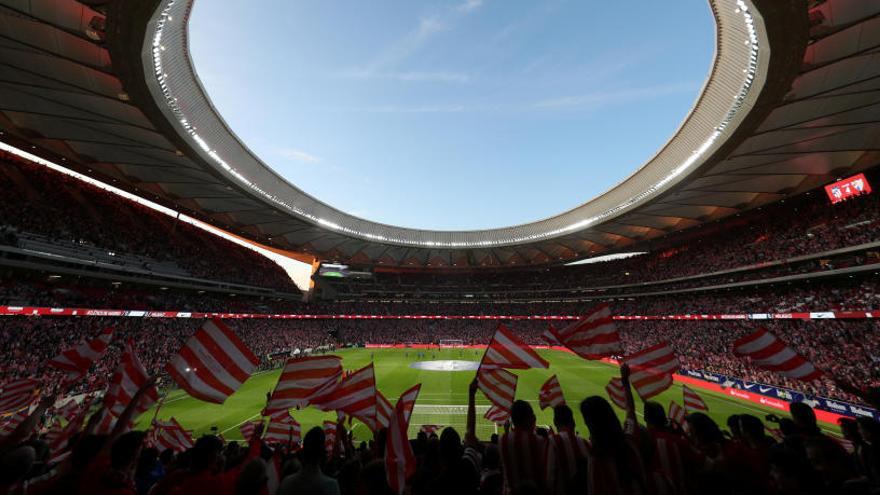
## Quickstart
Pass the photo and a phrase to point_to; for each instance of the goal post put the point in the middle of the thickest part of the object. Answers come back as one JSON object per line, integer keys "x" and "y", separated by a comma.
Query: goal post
{"x": 451, "y": 343}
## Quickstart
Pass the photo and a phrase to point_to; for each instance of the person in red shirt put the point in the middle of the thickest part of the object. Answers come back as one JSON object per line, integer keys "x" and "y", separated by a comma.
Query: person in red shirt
{"x": 614, "y": 462}
{"x": 672, "y": 456}
{"x": 570, "y": 451}
{"x": 112, "y": 470}
{"x": 524, "y": 454}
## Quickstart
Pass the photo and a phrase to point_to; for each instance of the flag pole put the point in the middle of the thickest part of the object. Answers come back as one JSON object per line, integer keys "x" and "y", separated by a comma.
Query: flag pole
{"x": 158, "y": 406}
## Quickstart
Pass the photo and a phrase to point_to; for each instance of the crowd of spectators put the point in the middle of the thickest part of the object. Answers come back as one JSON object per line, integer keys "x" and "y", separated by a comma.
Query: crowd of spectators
{"x": 41, "y": 201}
{"x": 652, "y": 456}
{"x": 832, "y": 294}
{"x": 845, "y": 349}
{"x": 75, "y": 292}
{"x": 800, "y": 226}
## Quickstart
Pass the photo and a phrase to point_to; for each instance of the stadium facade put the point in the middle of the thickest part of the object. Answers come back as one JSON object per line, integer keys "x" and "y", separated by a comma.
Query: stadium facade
{"x": 111, "y": 91}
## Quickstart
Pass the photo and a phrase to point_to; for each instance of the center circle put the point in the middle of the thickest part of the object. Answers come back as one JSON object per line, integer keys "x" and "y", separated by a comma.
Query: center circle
{"x": 445, "y": 365}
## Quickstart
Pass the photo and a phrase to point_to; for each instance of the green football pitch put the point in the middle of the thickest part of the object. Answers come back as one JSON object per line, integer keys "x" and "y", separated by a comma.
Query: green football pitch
{"x": 443, "y": 397}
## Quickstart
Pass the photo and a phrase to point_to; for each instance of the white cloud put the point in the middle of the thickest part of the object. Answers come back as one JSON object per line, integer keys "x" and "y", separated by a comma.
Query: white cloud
{"x": 382, "y": 66}
{"x": 470, "y": 5}
{"x": 298, "y": 155}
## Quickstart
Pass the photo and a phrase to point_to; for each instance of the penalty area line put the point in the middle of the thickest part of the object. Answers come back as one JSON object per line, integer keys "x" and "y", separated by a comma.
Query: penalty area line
{"x": 239, "y": 424}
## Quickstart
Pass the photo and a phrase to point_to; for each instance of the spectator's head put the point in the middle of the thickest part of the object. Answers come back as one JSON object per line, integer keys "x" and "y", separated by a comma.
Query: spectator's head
{"x": 16, "y": 464}
{"x": 126, "y": 450}
{"x": 850, "y": 429}
{"x": 705, "y": 434}
{"x": 314, "y": 451}
{"x": 563, "y": 418}
{"x": 804, "y": 418}
{"x": 655, "y": 415}
{"x": 752, "y": 428}
{"x": 450, "y": 446}
{"x": 606, "y": 433}
{"x": 787, "y": 427}
{"x": 206, "y": 453}
{"x": 252, "y": 479}
{"x": 522, "y": 416}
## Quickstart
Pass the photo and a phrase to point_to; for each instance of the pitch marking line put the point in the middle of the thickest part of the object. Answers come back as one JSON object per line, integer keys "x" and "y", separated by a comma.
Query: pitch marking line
{"x": 239, "y": 424}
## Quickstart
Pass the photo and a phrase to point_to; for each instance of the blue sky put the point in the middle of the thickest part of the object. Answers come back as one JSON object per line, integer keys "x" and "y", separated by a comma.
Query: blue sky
{"x": 459, "y": 114}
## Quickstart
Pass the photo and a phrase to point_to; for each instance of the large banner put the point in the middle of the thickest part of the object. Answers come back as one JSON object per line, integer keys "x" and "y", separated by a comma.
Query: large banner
{"x": 777, "y": 397}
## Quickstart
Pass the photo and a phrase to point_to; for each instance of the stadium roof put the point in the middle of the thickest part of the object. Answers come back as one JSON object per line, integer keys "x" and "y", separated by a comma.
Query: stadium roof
{"x": 108, "y": 88}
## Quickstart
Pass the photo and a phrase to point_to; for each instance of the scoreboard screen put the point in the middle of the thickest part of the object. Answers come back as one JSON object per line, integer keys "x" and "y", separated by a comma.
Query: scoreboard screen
{"x": 333, "y": 270}
{"x": 845, "y": 189}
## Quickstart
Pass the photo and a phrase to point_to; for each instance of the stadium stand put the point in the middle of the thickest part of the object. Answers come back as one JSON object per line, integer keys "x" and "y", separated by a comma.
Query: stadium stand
{"x": 765, "y": 248}
{"x": 45, "y": 213}
{"x": 745, "y": 460}
{"x": 848, "y": 348}
{"x": 798, "y": 236}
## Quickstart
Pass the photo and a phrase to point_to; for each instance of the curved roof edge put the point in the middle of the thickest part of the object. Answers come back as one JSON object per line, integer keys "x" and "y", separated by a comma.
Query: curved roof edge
{"x": 734, "y": 83}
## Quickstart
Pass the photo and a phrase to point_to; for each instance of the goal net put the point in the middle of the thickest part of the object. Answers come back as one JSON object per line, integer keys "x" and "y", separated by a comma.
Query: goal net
{"x": 453, "y": 343}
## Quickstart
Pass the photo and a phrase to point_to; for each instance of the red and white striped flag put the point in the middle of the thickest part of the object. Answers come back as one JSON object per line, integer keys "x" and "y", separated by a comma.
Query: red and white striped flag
{"x": 384, "y": 410}
{"x": 126, "y": 381}
{"x": 304, "y": 378}
{"x": 330, "y": 437}
{"x": 105, "y": 426}
{"x": 170, "y": 435}
{"x": 76, "y": 361}
{"x": 506, "y": 350}
{"x": 551, "y": 336}
{"x": 551, "y": 393}
{"x": 18, "y": 394}
{"x": 594, "y": 336}
{"x": 767, "y": 352}
{"x": 11, "y": 422}
{"x": 430, "y": 429}
{"x": 68, "y": 411}
{"x": 407, "y": 400}
{"x": 499, "y": 386}
{"x": 75, "y": 414}
{"x": 692, "y": 400}
{"x": 400, "y": 461}
{"x": 282, "y": 428}
{"x": 355, "y": 395}
{"x": 652, "y": 369}
{"x": 615, "y": 392}
{"x": 497, "y": 414}
{"x": 108, "y": 422}
{"x": 676, "y": 413}
{"x": 213, "y": 363}
{"x": 248, "y": 428}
